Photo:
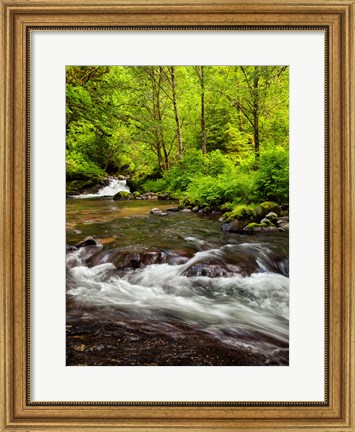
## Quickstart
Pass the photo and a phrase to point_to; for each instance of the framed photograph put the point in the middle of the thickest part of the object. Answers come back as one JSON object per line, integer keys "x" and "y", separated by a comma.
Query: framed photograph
{"x": 196, "y": 161}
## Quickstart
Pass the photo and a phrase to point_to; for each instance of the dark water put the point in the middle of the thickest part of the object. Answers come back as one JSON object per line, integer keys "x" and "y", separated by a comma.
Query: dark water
{"x": 172, "y": 290}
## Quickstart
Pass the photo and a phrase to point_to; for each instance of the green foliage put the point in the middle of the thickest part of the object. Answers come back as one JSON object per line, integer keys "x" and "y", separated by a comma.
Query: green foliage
{"x": 154, "y": 185}
{"x": 187, "y": 201}
{"x": 123, "y": 120}
{"x": 272, "y": 180}
{"x": 180, "y": 175}
{"x": 79, "y": 167}
{"x": 207, "y": 191}
{"x": 215, "y": 163}
{"x": 206, "y": 181}
{"x": 215, "y": 191}
{"x": 226, "y": 207}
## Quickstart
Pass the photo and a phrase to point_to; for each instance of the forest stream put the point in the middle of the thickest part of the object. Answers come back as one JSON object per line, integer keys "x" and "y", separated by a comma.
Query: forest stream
{"x": 173, "y": 290}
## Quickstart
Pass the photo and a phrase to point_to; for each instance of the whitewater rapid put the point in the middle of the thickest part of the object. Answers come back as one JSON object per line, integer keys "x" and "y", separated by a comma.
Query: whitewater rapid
{"x": 248, "y": 311}
{"x": 115, "y": 185}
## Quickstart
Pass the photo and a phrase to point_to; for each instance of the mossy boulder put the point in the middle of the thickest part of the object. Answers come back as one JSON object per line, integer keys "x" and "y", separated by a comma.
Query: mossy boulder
{"x": 266, "y": 222}
{"x": 76, "y": 187}
{"x": 241, "y": 213}
{"x": 122, "y": 196}
{"x": 136, "y": 194}
{"x": 265, "y": 208}
{"x": 259, "y": 227}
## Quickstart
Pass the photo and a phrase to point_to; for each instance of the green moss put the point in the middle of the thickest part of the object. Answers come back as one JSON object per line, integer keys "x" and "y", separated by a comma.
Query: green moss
{"x": 122, "y": 196}
{"x": 254, "y": 225}
{"x": 241, "y": 212}
{"x": 266, "y": 222}
{"x": 266, "y": 207}
{"x": 226, "y": 207}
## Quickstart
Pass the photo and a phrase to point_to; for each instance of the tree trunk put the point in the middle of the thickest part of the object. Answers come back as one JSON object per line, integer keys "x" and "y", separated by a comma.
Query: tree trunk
{"x": 156, "y": 77}
{"x": 159, "y": 118}
{"x": 256, "y": 112}
{"x": 203, "y": 127}
{"x": 176, "y": 111}
{"x": 160, "y": 136}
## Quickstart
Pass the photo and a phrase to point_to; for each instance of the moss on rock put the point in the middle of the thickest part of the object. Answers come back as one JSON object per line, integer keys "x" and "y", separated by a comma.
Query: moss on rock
{"x": 267, "y": 207}
{"x": 254, "y": 227}
{"x": 122, "y": 196}
{"x": 242, "y": 213}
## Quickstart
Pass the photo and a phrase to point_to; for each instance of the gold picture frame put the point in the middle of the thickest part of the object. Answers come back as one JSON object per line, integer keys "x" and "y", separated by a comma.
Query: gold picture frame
{"x": 17, "y": 412}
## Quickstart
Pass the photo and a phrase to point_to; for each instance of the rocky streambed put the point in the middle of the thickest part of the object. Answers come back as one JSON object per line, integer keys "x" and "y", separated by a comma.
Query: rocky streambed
{"x": 172, "y": 290}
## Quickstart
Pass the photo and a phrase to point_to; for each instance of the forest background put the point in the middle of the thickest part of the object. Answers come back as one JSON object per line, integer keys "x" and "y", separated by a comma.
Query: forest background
{"x": 216, "y": 136}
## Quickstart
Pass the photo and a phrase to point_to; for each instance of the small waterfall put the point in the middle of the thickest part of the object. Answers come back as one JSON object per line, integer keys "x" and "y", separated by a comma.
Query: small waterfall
{"x": 110, "y": 190}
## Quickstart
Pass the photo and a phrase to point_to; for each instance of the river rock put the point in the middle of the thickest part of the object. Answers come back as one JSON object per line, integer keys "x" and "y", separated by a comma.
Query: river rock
{"x": 282, "y": 219}
{"x": 256, "y": 228}
{"x": 70, "y": 248}
{"x": 284, "y": 227}
{"x": 234, "y": 226}
{"x": 265, "y": 208}
{"x": 164, "y": 196}
{"x": 173, "y": 209}
{"x": 156, "y": 211}
{"x": 124, "y": 259}
{"x": 208, "y": 270}
{"x": 186, "y": 210}
{"x": 195, "y": 209}
{"x": 88, "y": 241}
{"x": 121, "y": 195}
{"x": 272, "y": 217}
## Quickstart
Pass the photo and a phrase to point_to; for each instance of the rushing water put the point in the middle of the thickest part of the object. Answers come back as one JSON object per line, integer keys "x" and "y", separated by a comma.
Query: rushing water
{"x": 172, "y": 290}
{"x": 115, "y": 185}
